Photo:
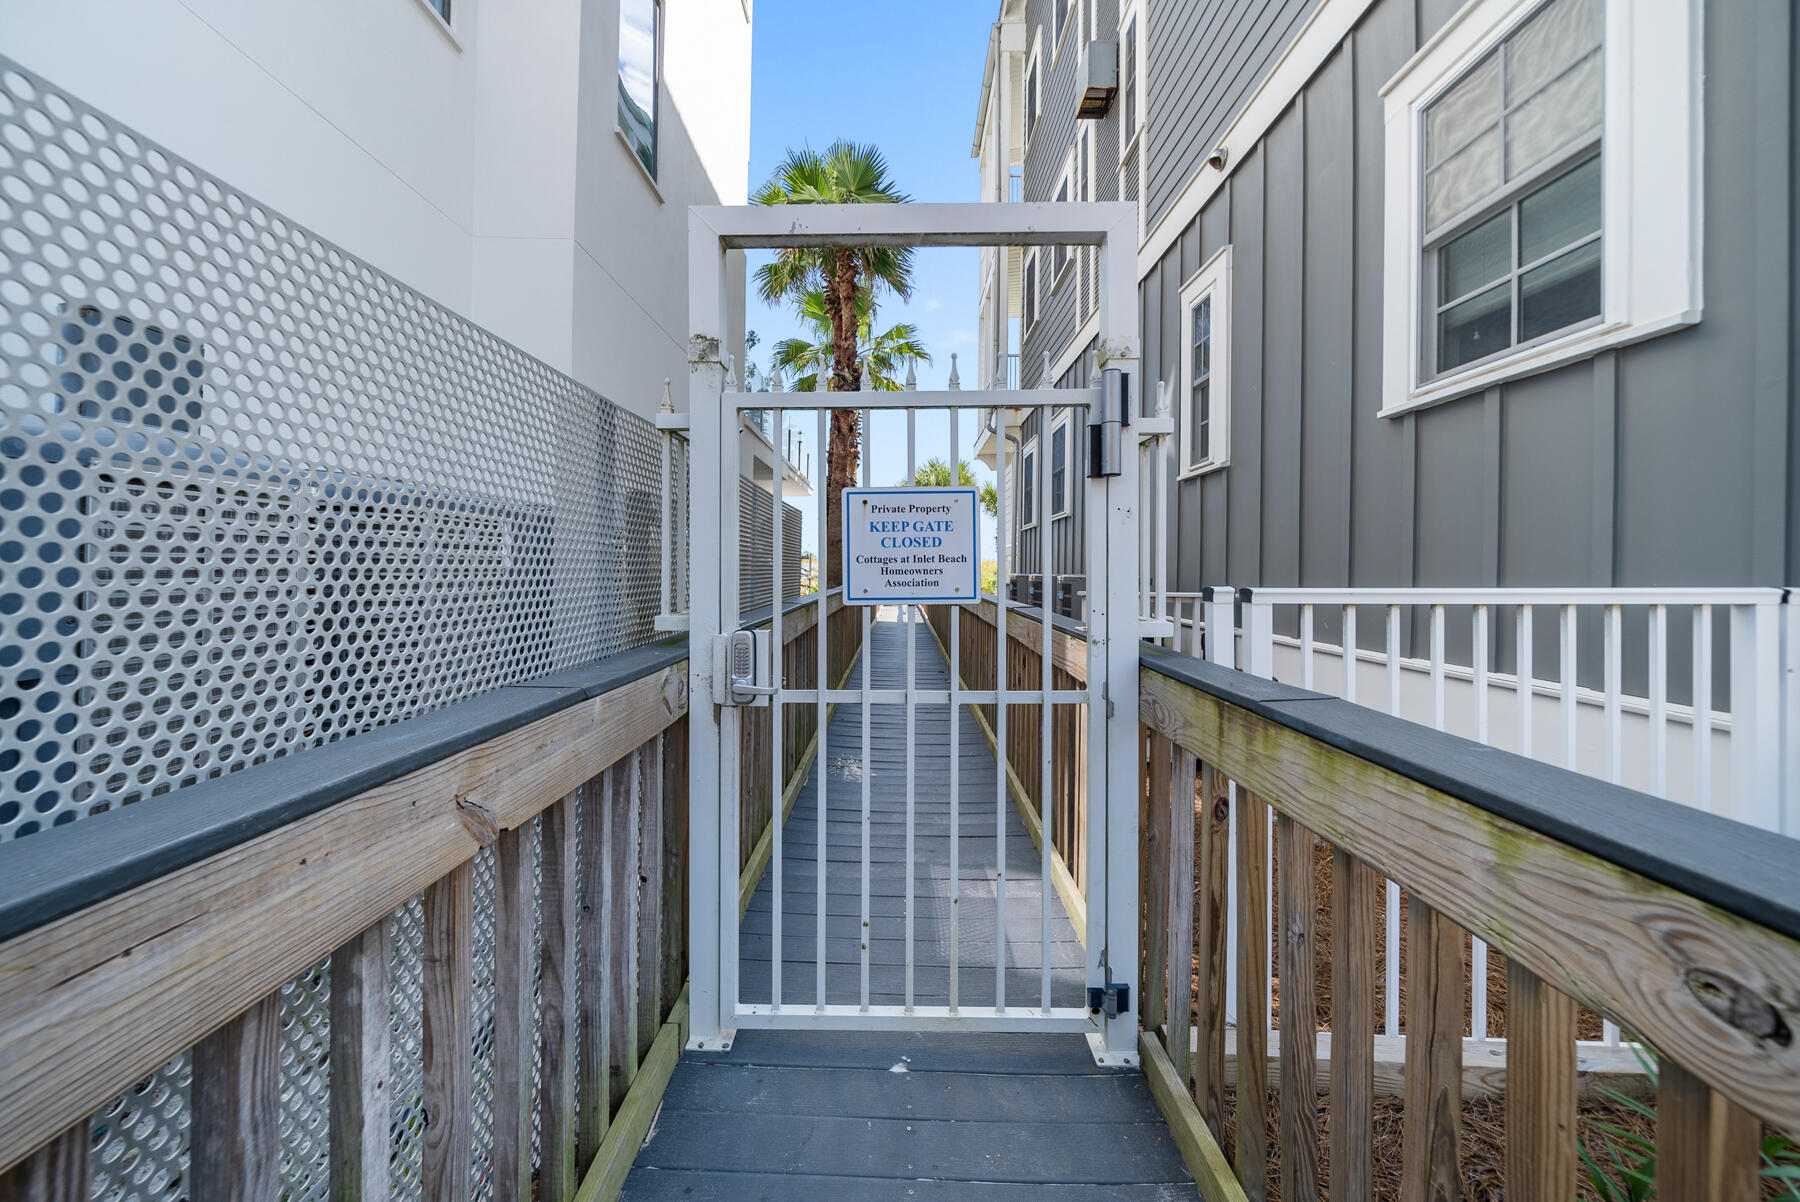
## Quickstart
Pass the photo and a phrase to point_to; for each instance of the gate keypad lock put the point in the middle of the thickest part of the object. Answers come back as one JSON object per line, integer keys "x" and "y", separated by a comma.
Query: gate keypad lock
{"x": 747, "y": 669}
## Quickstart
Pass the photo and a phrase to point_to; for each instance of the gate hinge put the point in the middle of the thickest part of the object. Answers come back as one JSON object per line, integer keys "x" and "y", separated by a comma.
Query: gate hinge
{"x": 1114, "y": 999}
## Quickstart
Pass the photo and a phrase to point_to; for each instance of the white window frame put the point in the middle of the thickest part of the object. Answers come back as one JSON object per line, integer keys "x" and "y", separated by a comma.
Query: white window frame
{"x": 446, "y": 21}
{"x": 1059, "y": 425}
{"x": 1062, "y": 256}
{"x": 650, "y": 177}
{"x": 1129, "y": 12}
{"x": 1030, "y": 299}
{"x": 1028, "y": 483}
{"x": 1213, "y": 276}
{"x": 1651, "y": 171}
{"x": 1060, "y": 35}
{"x": 1033, "y": 116}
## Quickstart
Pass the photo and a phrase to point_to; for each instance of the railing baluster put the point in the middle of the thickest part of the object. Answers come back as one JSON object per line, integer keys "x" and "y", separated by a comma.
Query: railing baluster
{"x": 1659, "y": 700}
{"x": 1157, "y": 857}
{"x": 1702, "y": 698}
{"x": 1180, "y": 908}
{"x": 1541, "y": 1161}
{"x": 1213, "y": 917}
{"x": 1352, "y": 1025}
{"x": 560, "y": 982}
{"x": 649, "y": 892}
{"x": 620, "y": 919}
{"x": 1478, "y": 958}
{"x": 1391, "y": 996}
{"x": 359, "y": 1067}
{"x": 448, "y": 979}
{"x": 593, "y": 1090}
{"x": 1253, "y": 994}
{"x": 513, "y": 1005}
{"x": 1707, "y": 1147}
{"x": 1434, "y": 990}
{"x": 56, "y": 1172}
{"x": 1299, "y": 1014}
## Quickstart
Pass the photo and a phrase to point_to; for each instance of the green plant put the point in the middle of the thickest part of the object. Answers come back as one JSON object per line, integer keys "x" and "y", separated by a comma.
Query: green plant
{"x": 935, "y": 473}
{"x": 1630, "y": 1172}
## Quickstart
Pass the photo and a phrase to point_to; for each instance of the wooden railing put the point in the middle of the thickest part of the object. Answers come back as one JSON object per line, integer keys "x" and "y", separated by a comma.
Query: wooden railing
{"x": 134, "y": 936}
{"x": 973, "y": 629}
{"x": 1682, "y": 928}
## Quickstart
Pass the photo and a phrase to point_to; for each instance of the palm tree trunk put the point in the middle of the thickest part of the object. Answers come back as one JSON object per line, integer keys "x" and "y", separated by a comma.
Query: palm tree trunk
{"x": 843, "y": 453}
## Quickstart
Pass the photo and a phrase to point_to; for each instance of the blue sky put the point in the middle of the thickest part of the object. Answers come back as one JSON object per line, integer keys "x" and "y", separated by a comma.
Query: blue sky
{"x": 910, "y": 85}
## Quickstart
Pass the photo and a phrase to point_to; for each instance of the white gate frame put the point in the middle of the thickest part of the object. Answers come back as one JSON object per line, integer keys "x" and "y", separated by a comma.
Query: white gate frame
{"x": 1114, "y": 773}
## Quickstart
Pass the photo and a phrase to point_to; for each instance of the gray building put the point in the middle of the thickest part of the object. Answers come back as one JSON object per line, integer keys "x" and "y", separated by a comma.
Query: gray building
{"x": 1496, "y": 293}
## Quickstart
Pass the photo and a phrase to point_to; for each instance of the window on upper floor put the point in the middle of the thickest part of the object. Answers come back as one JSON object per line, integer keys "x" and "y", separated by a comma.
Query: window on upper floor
{"x": 1065, "y": 183}
{"x": 441, "y": 8}
{"x": 640, "y": 77}
{"x": 1059, "y": 466}
{"x": 1028, "y": 287}
{"x": 1063, "y": 13}
{"x": 1206, "y": 366}
{"x": 1128, "y": 80}
{"x": 1034, "y": 97}
{"x": 1542, "y": 169}
{"x": 1028, "y": 515}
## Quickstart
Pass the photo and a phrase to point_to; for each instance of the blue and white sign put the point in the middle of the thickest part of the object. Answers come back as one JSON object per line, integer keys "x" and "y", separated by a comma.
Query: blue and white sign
{"x": 910, "y": 544}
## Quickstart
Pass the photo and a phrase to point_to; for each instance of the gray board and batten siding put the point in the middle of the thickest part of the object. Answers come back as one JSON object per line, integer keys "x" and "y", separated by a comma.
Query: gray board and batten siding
{"x": 1668, "y": 462}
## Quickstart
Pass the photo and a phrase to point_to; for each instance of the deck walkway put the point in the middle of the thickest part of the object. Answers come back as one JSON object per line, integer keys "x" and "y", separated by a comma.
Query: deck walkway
{"x": 848, "y": 1115}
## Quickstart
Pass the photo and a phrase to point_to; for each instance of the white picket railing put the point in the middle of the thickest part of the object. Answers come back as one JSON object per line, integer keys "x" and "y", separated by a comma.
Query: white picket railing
{"x": 1712, "y": 726}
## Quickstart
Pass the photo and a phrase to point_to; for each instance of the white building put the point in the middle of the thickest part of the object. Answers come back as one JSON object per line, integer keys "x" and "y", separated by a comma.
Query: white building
{"x": 473, "y": 149}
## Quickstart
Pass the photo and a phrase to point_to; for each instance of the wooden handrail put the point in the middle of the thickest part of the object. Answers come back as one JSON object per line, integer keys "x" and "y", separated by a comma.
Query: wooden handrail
{"x": 94, "y": 999}
{"x": 1681, "y": 927}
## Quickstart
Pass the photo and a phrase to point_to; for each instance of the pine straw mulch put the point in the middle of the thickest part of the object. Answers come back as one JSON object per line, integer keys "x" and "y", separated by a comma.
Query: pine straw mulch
{"x": 1483, "y": 1139}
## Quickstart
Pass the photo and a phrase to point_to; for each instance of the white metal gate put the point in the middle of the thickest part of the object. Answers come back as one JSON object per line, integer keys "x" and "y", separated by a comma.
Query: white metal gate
{"x": 844, "y": 981}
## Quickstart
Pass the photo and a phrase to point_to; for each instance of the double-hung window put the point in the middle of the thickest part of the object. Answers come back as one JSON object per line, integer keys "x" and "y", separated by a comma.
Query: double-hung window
{"x": 1059, "y": 255}
{"x": 1542, "y": 199}
{"x": 1059, "y": 466}
{"x": 640, "y": 70}
{"x": 1206, "y": 366}
{"x": 1513, "y": 237}
{"x": 1128, "y": 75}
{"x": 1028, "y": 285}
{"x": 1028, "y": 514}
{"x": 1033, "y": 93}
{"x": 1063, "y": 13}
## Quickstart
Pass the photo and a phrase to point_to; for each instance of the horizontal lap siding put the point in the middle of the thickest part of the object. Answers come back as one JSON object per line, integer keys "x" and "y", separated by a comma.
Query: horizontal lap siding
{"x": 1668, "y": 462}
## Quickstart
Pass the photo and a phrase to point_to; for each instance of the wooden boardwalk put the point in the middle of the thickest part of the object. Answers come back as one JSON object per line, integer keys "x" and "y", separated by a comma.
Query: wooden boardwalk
{"x": 859, "y": 1116}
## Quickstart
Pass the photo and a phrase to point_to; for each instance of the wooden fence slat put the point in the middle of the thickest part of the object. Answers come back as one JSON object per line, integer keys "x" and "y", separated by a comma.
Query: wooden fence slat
{"x": 56, "y": 1172}
{"x": 360, "y": 1066}
{"x": 648, "y": 884}
{"x": 1212, "y": 918}
{"x": 1154, "y": 808}
{"x": 1253, "y": 990}
{"x": 593, "y": 1090}
{"x": 447, "y": 988}
{"x": 1353, "y": 886}
{"x": 1299, "y": 1013}
{"x": 234, "y": 1148}
{"x": 1434, "y": 999}
{"x": 1541, "y": 1160}
{"x": 620, "y": 919}
{"x": 513, "y": 1011}
{"x": 674, "y": 857}
{"x": 1707, "y": 1147}
{"x": 559, "y": 983}
{"x": 1180, "y": 909}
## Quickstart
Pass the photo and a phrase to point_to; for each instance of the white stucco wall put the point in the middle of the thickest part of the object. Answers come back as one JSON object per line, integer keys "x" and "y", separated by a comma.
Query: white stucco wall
{"x": 478, "y": 165}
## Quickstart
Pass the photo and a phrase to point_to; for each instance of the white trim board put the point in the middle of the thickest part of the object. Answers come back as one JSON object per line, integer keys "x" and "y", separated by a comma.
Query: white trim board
{"x": 1316, "y": 42}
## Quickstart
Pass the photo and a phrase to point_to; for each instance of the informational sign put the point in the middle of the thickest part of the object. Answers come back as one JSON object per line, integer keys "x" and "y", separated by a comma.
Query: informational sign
{"x": 909, "y": 544}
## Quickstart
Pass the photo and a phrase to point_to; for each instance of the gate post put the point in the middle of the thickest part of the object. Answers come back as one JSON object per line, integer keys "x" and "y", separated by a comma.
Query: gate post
{"x": 1115, "y": 769}
{"x": 712, "y": 902}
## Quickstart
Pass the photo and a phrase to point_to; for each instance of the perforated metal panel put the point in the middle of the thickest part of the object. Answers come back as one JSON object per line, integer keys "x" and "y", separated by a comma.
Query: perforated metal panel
{"x": 256, "y": 496}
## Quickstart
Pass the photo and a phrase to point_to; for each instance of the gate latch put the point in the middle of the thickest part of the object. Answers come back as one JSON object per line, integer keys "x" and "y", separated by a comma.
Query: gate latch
{"x": 1113, "y": 999}
{"x": 742, "y": 668}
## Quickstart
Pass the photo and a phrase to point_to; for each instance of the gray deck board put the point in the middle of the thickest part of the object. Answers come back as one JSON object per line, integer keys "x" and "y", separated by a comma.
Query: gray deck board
{"x": 906, "y": 1115}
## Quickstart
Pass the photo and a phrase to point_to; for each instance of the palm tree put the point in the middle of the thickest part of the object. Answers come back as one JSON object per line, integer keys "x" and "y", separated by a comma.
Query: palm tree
{"x": 883, "y": 354}
{"x": 846, "y": 173}
{"x": 935, "y": 473}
